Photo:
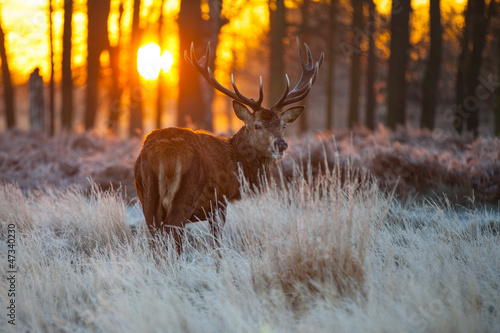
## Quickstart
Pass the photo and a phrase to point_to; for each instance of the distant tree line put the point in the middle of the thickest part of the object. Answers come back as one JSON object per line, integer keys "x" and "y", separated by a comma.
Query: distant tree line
{"x": 321, "y": 23}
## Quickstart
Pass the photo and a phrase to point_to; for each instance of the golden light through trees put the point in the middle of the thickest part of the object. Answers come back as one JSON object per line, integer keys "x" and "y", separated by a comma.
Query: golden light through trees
{"x": 26, "y": 24}
{"x": 242, "y": 45}
{"x": 166, "y": 61}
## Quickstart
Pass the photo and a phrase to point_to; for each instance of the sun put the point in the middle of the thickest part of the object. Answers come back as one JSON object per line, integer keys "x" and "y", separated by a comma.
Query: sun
{"x": 150, "y": 61}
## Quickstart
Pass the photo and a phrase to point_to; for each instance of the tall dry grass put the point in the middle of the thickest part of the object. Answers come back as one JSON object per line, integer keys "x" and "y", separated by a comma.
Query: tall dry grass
{"x": 323, "y": 254}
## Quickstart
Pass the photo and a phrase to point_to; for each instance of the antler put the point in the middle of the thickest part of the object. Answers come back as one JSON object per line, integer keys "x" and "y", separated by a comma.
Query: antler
{"x": 307, "y": 79}
{"x": 202, "y": 67}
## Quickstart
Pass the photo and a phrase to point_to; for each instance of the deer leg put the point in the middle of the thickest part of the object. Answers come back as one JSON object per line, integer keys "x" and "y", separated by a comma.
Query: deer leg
{"x": 216, "y": 225}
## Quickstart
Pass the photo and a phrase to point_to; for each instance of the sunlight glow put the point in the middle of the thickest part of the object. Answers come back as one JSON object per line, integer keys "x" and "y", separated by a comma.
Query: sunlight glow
{"x": 149, "y": 61}
{"x": 166, "y": 61}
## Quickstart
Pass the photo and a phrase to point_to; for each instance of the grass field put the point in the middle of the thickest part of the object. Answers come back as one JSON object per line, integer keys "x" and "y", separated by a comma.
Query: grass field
{"x": 320, "y": 257}
{"x": 321, "y": 250}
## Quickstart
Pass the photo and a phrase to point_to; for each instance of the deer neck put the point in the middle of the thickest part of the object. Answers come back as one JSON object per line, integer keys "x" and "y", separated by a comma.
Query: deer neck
{"x": 252, "y": 162}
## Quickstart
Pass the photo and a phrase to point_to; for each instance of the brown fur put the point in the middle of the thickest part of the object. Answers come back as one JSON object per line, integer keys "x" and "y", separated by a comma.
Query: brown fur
{"x": 180, "y": 175}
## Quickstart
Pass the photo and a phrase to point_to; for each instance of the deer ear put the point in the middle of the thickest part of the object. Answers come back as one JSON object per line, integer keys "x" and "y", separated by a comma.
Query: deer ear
{"x": 291, "y": 114}
{"x": 241, "y": 111}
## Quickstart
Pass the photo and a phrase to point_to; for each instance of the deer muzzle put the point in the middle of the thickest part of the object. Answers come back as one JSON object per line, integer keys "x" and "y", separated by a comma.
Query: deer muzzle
{"x": 281, "y": 145}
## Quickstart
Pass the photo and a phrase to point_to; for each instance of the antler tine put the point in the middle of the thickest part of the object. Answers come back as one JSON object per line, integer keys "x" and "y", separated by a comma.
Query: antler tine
{"x": 199, "y": 65}
{"x": 308, "y": 71}
{"x": 188, "y": 59}
{"x": 255, "y": 105}
{"x": 308, "y": 77}
{"x": 261, "y": 93}
{"x": 302, "y": 95}
{"x": 309, "y": 55}
{"x": 202, "y": 66}
{"x": 214, "y": 83}
{"x": 285, "y": 93}
{"x": 207, "y": 55}
{"x": 320, "y": 61}
{"x": 240, "y": 95}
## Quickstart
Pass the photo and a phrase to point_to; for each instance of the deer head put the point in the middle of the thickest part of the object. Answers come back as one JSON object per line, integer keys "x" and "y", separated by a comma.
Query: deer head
{"x": 266, "y": 127}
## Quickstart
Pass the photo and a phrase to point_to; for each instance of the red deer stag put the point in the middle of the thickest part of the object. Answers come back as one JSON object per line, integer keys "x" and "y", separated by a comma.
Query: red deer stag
{"x": 180, "y": 174}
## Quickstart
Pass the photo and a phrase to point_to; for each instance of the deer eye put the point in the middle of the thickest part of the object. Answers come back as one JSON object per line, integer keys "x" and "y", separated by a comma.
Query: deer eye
{"x": 257, "y": 127}
{"x": 284, "y": 126}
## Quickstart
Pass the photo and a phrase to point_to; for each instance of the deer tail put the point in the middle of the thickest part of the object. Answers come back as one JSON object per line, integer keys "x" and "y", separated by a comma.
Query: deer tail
{"x": 168, "y": 186}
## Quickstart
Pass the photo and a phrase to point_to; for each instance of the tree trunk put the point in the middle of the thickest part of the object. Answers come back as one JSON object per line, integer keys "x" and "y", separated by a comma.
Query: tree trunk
{"x": 469, "y": 66}
{"x": 371, "y": 69}
{"x": 305, "y": 37}
{"x": 355, "y": 82}
{"x": 398, "y": 61}
{"x": 476, "y": 59}
{"x": 461, "y": 87}
{"x": 116, "y": 90}
{"x": 135, "y": 104}
{"x": 52, "y": 101}
{"x": 332, "y": 47}
{"x": 277, "y": 32}
{"x": 190, "y": 106}
{"x": 497, "y": 107}
{"x": 159, "y": 98}
{"x": 7, "y": 83}
{"x": 98, "y": 12}
{"x": 67, "y": 80}
{"x": 216, "y": 22}
{"x": 431, "y": 78}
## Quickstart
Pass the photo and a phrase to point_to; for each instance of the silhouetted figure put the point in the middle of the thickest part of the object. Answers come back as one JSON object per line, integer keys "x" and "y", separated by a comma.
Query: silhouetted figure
{"x": 37, "y": 105}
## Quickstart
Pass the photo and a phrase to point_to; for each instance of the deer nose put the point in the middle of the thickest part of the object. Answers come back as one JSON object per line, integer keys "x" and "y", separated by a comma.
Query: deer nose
{"x": 281, "y": 144}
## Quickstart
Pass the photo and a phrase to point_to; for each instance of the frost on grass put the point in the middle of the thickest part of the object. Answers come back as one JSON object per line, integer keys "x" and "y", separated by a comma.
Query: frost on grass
{"x": 35, "y": 160}
{"x": 306, "y": 238}
{"x": 327, "y": 254}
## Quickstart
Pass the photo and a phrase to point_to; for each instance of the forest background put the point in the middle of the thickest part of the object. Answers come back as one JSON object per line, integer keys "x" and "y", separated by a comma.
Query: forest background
{"x": 425, "y": 64}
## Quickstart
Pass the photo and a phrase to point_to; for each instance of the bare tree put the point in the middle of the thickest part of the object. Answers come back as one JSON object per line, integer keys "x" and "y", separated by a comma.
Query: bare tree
{"x": 98, "y": 12}
{"x": 67, "y": 80}
{"x": 159, "y": 99}
{"x": 116, "y": 90}
{"x": 497, "y": 107}
{"x": 371, "y": 68}
{"x": 355, "y": 83}
{"x": 7, "y": 82}
{"x": 398, "y": 61}
{"x": 52, "y": 100}
{"x": 277, "y": 33}
{"x": 480, "y": 29}
{"x": 215, "y": 23}
{"x": 469, "y": 66}
{"x": 304, "y": 31}
{"x": 332, "y": 47}
{"x": 191, "y": 110}
{"x": 135, "y": 104}
{"x": 431, "y": 78}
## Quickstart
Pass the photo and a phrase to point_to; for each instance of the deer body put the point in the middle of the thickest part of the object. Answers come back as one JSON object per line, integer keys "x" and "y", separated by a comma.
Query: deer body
{"x": 181, "y": 175}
